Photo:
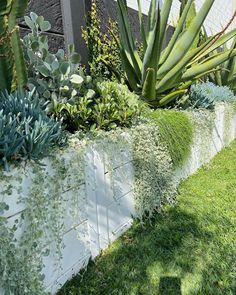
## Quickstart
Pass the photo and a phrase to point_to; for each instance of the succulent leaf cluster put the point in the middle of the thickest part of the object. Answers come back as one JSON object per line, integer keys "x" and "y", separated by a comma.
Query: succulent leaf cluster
{"x": 25, "y": 129}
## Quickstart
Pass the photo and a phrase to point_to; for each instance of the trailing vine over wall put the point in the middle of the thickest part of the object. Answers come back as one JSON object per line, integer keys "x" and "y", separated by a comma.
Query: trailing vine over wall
{"x": 154, "y": 184}
{"x": 153, "y": 169}
{"x": 40, "y": 227}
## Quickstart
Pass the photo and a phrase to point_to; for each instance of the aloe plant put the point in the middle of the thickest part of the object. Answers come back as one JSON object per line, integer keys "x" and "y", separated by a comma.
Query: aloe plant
{"x": 12, "y": 65}
{"x": 226, "y": 73}
{"x": 162, "y": 75}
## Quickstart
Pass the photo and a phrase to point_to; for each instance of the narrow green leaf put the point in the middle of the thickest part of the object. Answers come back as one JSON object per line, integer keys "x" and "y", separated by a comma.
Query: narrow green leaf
{"x": 206, "y": 66}
{"x": 178, "y": 31}
{"x": 164, "y": 16}
{"x": 169, "y": 97}
{"x": 141, "y": 24}
{"x": 127, "y": 40}
{"x": 185, "y": 41}
{"x": 151, "y": 17}
{"x": 153, "y": 52}
{"x": 149, "y": 91}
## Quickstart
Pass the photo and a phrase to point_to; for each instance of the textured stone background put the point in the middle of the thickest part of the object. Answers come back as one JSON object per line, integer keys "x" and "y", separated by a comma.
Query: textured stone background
{"x": 107, "y": 8}
{"x": 51, "y": 10}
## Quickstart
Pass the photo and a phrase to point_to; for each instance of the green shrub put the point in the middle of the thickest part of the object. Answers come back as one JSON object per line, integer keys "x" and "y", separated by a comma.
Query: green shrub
{"x": 25, "y": 130}
{"x": 206, "y": 95}
{"x": 102, "y": 46}
{"x": 69, "y": 94}
{"x": 176, "y": 132}
{"x": 113, "y": 106}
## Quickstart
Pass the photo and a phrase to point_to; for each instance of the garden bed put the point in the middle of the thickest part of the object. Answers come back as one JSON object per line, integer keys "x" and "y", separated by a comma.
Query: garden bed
{"x": 85, "y": 196}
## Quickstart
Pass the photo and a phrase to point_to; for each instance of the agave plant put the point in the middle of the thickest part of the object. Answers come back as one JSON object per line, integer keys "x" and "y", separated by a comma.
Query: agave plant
{"x": 163, "y": 74}
{"x": 226, "y": 73}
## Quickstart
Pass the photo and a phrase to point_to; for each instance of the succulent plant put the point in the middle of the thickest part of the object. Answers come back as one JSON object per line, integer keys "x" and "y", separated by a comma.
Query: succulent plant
{"x": 206, "y": 95}
{"x": 161, "y": 75}
{"x": 57, "y": 77}
{"x": 12, "y": 65}
{"x": 25, "y": 129}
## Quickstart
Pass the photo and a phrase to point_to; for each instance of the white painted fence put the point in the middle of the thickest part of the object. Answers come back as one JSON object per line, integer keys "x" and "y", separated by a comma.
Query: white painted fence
{"x": 105, "y": 200}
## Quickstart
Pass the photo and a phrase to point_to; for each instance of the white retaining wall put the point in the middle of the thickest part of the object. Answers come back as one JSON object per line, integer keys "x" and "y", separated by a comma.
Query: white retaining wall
{"x": 106, "y": 200}
{"x": 219, "y": 16}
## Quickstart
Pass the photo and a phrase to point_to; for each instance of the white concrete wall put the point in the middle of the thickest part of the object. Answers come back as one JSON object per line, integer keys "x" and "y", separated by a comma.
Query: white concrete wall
{"x": 105, "y": 201}
{"x": 219, "y": 16}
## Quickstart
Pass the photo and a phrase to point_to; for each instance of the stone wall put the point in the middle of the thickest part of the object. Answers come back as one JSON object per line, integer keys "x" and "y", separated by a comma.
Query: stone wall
{"x": 52, "y": 11}
{"x": 68, "y": 16}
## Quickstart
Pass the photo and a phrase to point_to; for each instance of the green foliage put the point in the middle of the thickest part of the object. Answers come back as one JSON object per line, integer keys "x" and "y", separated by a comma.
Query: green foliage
{"x": 190, "y": 246}
{"x": 56, "y": 77}
{"x": 103, "y": 50}
{"x": 206, "y": 95}
{"x": 12, "y": 64}
{"x": 26, "y": 131}
{"x": 113, "y": 106}
{"x": 226, "y": 74}
{"x": 176, "y": 132}
{"x": 71, "y": 96}
{"x": 162, "y": 75}
{"x": 117, "y": 106}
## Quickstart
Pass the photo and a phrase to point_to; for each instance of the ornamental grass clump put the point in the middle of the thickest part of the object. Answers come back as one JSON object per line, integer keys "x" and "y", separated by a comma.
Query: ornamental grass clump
{"x": 176, "y": 132}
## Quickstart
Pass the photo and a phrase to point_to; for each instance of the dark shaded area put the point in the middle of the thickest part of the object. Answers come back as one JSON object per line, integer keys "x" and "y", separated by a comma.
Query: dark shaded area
{"x": 170, "y": 286}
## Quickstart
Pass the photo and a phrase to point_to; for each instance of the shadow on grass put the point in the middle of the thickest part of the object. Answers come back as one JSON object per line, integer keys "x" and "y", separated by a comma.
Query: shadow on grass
{"x": 190, "y": 249}
{"x": 147, "y": 260}
{"x": 170, "y": 286}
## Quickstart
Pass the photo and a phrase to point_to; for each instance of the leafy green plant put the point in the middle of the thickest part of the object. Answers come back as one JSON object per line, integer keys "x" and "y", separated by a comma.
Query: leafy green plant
{"x": 162, "y": 75}
{"x": 102, "y": 46}
{"x": 56, "y": 77}
{"x": 206, "y": 95}
{"x": 117, "y": 106}
{"x": 113, "y": 106}
{"x": 12, "y": 64}
{"x": 26, "y": 131}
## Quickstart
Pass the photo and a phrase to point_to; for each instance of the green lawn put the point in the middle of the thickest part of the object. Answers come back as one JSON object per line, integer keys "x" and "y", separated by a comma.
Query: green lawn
{"x": 190, "y": 248}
